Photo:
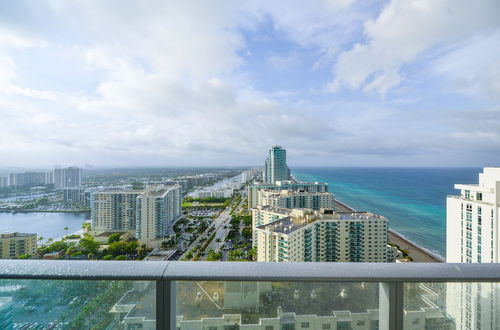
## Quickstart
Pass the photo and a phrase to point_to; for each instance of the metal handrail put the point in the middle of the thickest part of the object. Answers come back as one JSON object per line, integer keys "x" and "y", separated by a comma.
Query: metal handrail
{"x": 248, "y": 271}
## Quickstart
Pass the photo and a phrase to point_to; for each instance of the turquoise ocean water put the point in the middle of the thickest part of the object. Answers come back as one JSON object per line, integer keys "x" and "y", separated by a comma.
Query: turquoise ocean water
{"x": 413, "y": 199}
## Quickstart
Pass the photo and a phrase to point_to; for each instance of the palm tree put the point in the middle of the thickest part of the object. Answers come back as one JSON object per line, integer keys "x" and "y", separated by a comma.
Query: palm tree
{"x": 218, "y": 240}
{"x": 66, "y": 230}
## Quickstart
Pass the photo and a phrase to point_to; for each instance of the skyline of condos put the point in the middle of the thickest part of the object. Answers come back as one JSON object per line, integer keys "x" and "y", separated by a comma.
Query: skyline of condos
{"x": 302, "y": 235}
{"x": 4, "y": 181}
{"x": 472, "y": 224}
{"x": 29, "y": 179}
{"x": 157, "y": 209}
{"x": 275, "y": 167}
{"x": 12, "y": 245}
{"x": 67, "y": 177}
{"x": 147, "y": 214}
{"x": 283, "y": 185}
{"x": 291, "y": 199}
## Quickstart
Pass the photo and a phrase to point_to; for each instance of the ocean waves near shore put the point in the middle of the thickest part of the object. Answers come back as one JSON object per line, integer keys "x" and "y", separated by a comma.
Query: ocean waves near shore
{"x": 413, "y": 199}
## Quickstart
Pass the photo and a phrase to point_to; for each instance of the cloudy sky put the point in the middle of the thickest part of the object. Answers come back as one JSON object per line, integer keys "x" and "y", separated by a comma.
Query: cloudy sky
{"x": 167, "y": 83}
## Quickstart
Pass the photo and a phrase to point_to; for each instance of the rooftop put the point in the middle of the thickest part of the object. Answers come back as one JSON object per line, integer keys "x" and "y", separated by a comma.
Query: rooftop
{"x": 296, "y": 220}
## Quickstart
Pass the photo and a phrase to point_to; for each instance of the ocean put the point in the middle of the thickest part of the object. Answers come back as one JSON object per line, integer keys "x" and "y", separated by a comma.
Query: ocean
{"x": 413, "y": 199}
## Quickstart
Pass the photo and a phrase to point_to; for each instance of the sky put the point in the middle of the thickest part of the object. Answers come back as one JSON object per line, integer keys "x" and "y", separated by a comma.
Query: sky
{"x": 216, "y": 83}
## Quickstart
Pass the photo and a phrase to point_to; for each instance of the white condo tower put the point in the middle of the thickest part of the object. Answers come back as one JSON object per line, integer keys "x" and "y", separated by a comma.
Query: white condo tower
{"x": 472, "y": 236}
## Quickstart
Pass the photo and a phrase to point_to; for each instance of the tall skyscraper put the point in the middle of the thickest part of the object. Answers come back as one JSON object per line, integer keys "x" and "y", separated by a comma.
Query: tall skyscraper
{"x": 67, "y": 177}
{"x": 472, "y": 224}
{"x": 275, "y": 168}
{"x": 472, "y": 220}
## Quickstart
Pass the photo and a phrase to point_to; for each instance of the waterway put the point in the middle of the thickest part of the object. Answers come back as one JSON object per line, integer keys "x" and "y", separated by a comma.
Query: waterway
{"x": 44, "y": 224}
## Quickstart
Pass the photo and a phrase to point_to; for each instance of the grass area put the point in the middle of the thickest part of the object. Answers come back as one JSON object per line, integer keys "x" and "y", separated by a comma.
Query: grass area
{"x": 210, "y": 205}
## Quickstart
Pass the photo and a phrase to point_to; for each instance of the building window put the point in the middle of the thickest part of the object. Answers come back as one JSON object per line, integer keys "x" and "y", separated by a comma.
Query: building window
{"x": 304, "y": 325}
{"x": 269, "y": 327}
{"x": 326, "y": 326}
{"x": 467, "y": 194}
{"x": 479, "y": 196}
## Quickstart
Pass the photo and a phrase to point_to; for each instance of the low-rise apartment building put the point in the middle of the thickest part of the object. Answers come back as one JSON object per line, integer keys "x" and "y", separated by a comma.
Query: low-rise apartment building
{"x": 12, "y": 245}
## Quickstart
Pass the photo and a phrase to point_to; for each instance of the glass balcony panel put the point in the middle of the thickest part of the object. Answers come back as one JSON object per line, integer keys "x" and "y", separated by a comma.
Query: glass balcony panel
{"x": 277, "y": 305}
{"x": 77, "y": 304}
{"x": 451, "y": 305}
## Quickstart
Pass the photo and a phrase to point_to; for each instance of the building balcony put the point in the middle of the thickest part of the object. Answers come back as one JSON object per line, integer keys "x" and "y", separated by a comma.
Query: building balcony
{"x": 230, "y": 295}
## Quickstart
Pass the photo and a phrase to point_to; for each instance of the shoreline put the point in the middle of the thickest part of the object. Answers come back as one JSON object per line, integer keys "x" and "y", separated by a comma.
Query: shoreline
{"x": 42, "y": 211}
{"x": 415, "y": 251}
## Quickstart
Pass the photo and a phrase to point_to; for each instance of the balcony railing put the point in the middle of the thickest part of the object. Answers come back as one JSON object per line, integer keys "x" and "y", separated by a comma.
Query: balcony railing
{"x": 236, "y": 295}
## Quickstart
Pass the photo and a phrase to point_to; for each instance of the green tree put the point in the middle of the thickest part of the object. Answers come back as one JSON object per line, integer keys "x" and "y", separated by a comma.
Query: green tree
{"x": 247, "y": 233}
{"x": 114, "y": 238}
{"x": 24, "y": 256}
{"x": 88, "y": 245}
{"x": 121, "y": 257}
{"x": 236, "y": 255}
{"x": 137, "y": 185}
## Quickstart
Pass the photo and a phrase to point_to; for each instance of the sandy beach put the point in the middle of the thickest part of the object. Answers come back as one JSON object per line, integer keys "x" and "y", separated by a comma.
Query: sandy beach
{"x": 417, "y": 253}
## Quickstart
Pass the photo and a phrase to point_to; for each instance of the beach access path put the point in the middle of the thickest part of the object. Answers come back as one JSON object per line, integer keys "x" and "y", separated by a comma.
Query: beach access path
{"x": 417, "y": 253}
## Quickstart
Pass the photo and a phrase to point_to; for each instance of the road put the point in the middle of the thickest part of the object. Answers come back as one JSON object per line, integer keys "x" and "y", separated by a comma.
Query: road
{"x": 221, "y": 232}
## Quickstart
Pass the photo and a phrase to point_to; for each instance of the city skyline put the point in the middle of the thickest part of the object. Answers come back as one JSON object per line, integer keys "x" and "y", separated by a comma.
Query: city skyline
{"x": 346, "y": 83}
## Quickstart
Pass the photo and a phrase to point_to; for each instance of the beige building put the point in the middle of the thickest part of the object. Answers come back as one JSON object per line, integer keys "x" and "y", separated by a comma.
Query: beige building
{"x": 291, "y": 199}
{"x": 12, "y": 245}
{"x": 157, "y": 209}
{"x": 321, "y": 236}
{"x": 114, "y": 210}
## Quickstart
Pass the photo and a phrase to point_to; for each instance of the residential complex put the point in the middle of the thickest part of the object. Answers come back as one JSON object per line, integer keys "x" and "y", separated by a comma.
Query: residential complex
{"x": 307, "y": 235}
{"x": 148, "y": 214}
{"x": 30, "y": 179}
{"x": 12, "y": 245}
{"x": 275, "y": 168}
{"x": 75, "y": 196}
{"x": 157, "y": 209}
{"x": 296, "y": 199}
{"x": 4, "y": 182}
{"x": 114, "y": 210}
{"x": 253, "y": 198}
{"x": 472, "y": 224}
{"x": 67, "y": 177}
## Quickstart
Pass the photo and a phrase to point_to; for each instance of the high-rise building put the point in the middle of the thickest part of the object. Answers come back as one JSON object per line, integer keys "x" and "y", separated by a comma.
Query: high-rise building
{"x": 67, "y": 177}
{"x": 291, "y": 199}
{"x": 28, "y": 179}
{"x": 472, "y": 220}
{"x": 157, "y": 209}
{"x": 148, "y": 214}
{"x": 12, "y": 245}
{"x": 4, "y": 182}
{"x": 275, "y": 167}
{"x": 302, "y": 235}
{"x": 253, "y": 198}
{"x": 74, "y": 196}
{"x": 472, "y": 224}
{"x": 114, "y": 210}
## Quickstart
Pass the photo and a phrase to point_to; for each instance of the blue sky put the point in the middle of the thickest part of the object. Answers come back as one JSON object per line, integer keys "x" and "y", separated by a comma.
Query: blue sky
{"x": 342, "y": 83}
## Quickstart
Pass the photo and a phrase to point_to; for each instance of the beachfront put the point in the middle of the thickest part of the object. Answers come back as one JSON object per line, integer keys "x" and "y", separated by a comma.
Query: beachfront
{"x": 416, "y": 252}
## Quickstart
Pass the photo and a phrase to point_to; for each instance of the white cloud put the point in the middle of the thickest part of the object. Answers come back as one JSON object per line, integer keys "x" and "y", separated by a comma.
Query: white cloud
{"x": 407, "y": 31}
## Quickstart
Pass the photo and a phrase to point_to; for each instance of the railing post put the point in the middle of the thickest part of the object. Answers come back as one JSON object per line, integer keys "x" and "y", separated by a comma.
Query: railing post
{"x": 391, "y": 306}
{"x": 165, "y": 305}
